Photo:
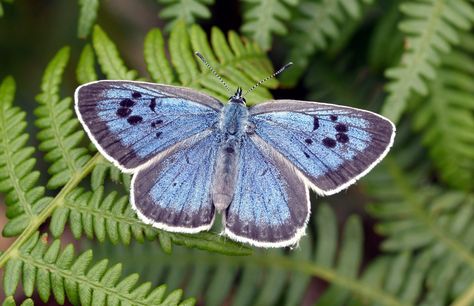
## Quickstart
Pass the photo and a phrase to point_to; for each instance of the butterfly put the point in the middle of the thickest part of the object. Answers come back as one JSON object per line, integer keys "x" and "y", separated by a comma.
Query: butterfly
{"x": 193, "y": 157}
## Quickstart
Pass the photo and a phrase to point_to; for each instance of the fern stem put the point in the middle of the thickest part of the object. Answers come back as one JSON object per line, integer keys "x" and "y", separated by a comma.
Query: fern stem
{"x": 466, "y": 298}
{"x": 457, "y": 248}
{"x": 358, "y": 287}
{"x": 36, "y": 221}
{"x": 331, "y": 276}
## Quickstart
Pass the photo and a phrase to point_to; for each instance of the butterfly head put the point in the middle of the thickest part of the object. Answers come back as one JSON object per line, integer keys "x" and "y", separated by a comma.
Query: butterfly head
{"x": 237, "y": 97}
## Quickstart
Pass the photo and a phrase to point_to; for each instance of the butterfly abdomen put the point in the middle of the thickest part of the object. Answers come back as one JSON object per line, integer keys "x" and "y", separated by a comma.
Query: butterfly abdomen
{"x": 232, "y": 128}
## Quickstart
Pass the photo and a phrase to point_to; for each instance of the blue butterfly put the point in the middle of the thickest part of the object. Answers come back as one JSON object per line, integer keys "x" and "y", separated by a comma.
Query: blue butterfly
{"x": 193, "y": 156}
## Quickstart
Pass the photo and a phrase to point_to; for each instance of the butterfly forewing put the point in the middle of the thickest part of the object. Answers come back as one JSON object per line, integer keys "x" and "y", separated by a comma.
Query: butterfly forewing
{"x": 131, "y": 122}
{"x": 330, "y": 145}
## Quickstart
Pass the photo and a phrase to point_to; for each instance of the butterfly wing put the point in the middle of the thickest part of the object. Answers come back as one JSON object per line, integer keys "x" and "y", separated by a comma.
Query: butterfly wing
{"x": 131, "y": 122}
{"x": 173, "y": 192}
{"x": 332, "y": 146}
{"x": 270, "y": 207}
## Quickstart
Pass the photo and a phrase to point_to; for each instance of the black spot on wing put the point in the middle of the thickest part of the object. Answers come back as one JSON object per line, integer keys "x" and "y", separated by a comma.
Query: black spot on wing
{"x": 152, "y": 104}
{"x": 342, "y": 138}
{"x": 329, "y": 142}
{"x": 124, "y": 112}
{"x": 315, "y": 123}
{"x": 127, "y": 103}
{"x": 133, "y": 120}
{"x": 158, "y": 134}
{"x": 341, "y": 127}
{"x": 156, "y": 123}
{"x": 333, "y": 117}
{"x": 229, "y": 150}
{"x": 306, "y": 154}
{"x": 136, "y": 95}
{"x": 308, "y": 141}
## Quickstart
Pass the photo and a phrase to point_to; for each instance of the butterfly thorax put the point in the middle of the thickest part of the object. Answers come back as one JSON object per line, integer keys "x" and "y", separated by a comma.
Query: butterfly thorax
{"x": 232, "y": 126}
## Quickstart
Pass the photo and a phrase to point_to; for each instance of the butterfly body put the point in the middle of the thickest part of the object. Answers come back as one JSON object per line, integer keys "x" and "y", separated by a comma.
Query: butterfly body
{"x": 193, "y": 157}
{"x": 233, "y": 128}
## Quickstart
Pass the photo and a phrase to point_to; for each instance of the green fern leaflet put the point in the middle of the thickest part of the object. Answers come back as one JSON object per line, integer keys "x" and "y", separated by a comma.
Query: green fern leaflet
{"x": 185, "y": 10}
{"x": 263, "y": 18}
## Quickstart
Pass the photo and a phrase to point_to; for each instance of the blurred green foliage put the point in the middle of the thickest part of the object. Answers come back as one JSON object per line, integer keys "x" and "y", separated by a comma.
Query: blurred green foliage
{"x": 404, "y": 235}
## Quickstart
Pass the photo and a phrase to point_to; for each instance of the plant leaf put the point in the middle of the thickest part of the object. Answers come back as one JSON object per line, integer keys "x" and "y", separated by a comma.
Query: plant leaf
{"x": 263, "y": 18}
{"x": 18, "y": 179}
{"x": 87, "y": 16}
{"x": 108, "y": 56}
{"x": 184, "y": 10}
{"x": 59, "y": 133}
{"x": 431, "y": 27}
{"x": 85, "y": 71}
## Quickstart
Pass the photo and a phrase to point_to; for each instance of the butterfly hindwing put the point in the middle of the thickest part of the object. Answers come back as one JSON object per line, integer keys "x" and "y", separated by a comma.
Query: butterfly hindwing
{"x": 131, "y": 122}
{"x": 270, "y": 206}
{"x": 330, "y": 145}
{"x": 173, "y": 192}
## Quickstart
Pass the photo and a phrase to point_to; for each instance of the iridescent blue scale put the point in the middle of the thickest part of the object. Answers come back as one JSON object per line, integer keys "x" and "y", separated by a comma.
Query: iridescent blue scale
{"x": 192, "y": 156}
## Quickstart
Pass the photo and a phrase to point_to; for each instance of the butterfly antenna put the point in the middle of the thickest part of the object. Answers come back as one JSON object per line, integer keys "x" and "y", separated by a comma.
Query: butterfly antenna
{"x": 213, "y": 71}
{"x": 268, "y": 78}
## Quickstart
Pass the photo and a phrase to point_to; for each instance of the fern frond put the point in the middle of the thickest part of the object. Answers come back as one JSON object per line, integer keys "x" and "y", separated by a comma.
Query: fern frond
{"x": 87, "y": 16}
{"x": 60, "y": 133}
{"x": 18, "y": 179}
{"x": 263, "y": 18}
{"x": 318, "y": 24}
{"x": 186, "y": 10}
{"x": 59, "y": 273}
{"x": 451, "y": 105}
{"x": 432, "y": 27}
{"x": 431, "y": 223}
{"x": 108, "y": 56}
{"x": 85, "y": 70}
{"x": 280, "y": 277}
